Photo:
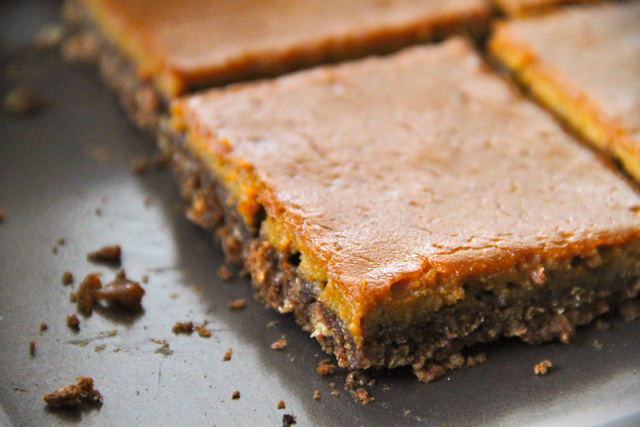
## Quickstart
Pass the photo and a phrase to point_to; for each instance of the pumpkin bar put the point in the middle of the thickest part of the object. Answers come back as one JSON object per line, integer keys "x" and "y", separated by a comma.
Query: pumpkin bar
{"x": 406, "y": 207}
{"x": 521, "y": 8}
{"x": 584, "y": 65}
{"x": 152, "y": 51}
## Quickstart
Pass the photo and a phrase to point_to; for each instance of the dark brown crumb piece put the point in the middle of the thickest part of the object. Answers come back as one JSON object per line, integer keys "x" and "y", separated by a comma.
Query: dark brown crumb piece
{"x": 109, "y": 254}
{"x": 22, "y": 102}
{"x": 61, "y": 241}
{"x": 235, "y": 395}
{"x": 542, "y": 367}
{"x": 281, "y": 405}
{"x": 227, "y": 355}
{"x": 67, "y": 278}
{"x": 73, "y": 321}
{"x": 85, "y": 296}
{"x": 32, "y": 348}
{"x": 224, "y": 273}
{"x": 202, "y": 331}
{"x": 182, "y": 328}
{"x": 74, "y": 395}
{"x": 288, "y": 420}
{"x": 54, "y": 250}
{"x": 43, "y": 326}
{"x": 316, "y": 395}
{"x": 433, "y": 371}
{"x": 279, "y": 345}
{"x": 123, "y": 291}
{"x": 1, "y": 215}
{"x": 326, "y": 368}
{"x": 237, "y": 304}
{"x": 354, "y": 384}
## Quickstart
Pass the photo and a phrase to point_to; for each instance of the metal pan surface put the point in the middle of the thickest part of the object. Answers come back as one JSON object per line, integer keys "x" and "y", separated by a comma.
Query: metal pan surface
{"x": 66, "y": 173}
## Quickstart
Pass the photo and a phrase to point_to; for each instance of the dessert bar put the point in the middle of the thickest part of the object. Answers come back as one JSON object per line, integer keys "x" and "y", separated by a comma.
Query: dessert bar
{"x": 404, "y": 208}
{"x": 583, "y": 63}
{"x": 151, "y": 51}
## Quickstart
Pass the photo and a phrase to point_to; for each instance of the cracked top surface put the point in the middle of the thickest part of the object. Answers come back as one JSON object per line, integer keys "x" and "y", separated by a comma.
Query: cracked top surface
{"x": 185, "y": 43}
{"x": 386, "y": 169}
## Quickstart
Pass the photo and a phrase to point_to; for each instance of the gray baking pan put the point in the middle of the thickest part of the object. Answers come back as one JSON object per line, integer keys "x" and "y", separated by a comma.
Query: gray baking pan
{"x": 66, "y": 173}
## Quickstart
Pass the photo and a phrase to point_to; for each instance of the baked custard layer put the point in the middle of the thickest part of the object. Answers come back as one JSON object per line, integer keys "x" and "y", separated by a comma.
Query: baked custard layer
{"x": 408, "y": 206}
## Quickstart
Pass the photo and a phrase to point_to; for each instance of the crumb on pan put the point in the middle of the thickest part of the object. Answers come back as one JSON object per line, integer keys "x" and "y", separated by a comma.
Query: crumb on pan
{"x": 432, "y": 371}
{"x": 43, "y": 326}
{"x": 182, "y": 328}
{"x": 279, "y": 345}
{"x": 85, "y": 296}
{"x": 543, "y": 367}
{"x": 281, "y": 405}
{"x": 237, "y": 304}
{"x": 316, "y": 395}
{"x": 109, "y": 254}
{"x": 335, "y": 393}
{"x": 288, "y": 420}
{"x": 355, "y": 385}
{"x": 22, "y": 102}
{"x": 32, "y": 348}
{"x": 235, "y": 395}
{"x": 224, "y": 273}
{"x": 67, "y": 278}
{"x": 326, "y": 367}
{"x": 49, "y": 37}
{"x": 1, "y": 215}
{"x": 227, "y": 355}
{"x": 202, "y": 331}
{"x": 123, "y": 291}
{"x": 629, "y": 310}
{"x": 74, "y": 394}
{"x": 73, "y": 321}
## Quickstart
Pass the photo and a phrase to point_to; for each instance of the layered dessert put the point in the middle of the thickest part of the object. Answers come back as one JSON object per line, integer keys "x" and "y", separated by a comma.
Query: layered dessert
{"x": 404, "y": 208}
{"x": 584, "y": 65}
{"x": 152, "y": 51}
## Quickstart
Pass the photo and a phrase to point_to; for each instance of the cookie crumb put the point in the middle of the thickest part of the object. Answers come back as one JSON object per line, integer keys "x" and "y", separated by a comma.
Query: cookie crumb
{"x": 122, "y": 291}
{"x": 336, "y": 393}
{"x": 326, "y": 368}
{"x": 32, "y": 348}
{"x": 49, "y": 37}
{"x": 1, "y": 215}
{"x": 597, "y": 344}
{"x": 332, "y": 385}
{"x": 237, "y": 304}
{"x": 288, "y": 420}
{"x": 225, "y": 274}
{"x": 227, "y": 355}
{"x": 43, "y": 326}
{"x": 281, "y": 405}
{"x": 61, "y": 241}
{"x": 145, "y": 279}
{"x": 202, "y": 331}
{"x": 85, "y": 296}
{"x": 354, "y": 384}
{"x": 74, "y": 395}
{"x": 182, "y": 328}
{"x": 279, "y": 345}
{"x": 22, "y": 102}
{"x": 316, "y": 395}
{"x": 67, "y": 278}
{"x": 235, "y": 395}
{"x": 73, "y": 321}
{"x": 542, "y": 367}
{"x": 110, "y": 254}
{"x": 54, "y": 250}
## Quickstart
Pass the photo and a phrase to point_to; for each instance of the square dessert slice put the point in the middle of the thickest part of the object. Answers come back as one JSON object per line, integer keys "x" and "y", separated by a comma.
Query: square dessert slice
{"x": 406, "y": 207}
{"x": 521, "y": 8}
{"x": 151, "y": 51}
{"x": 584, "y": 65}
